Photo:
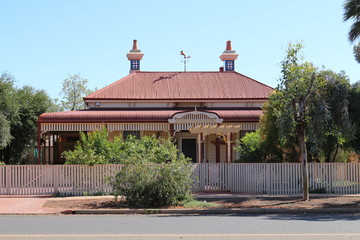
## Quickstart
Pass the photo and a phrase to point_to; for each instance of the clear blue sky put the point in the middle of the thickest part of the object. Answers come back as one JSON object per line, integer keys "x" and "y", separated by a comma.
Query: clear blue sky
{"x": 42, "y": 41}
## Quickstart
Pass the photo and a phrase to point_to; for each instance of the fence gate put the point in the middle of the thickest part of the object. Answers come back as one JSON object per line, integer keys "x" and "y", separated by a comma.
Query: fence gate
{"x": 211, "y": 177}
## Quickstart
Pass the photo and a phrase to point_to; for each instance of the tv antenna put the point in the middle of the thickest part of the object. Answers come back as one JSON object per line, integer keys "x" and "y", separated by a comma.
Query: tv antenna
{"x": 185, "y": 60}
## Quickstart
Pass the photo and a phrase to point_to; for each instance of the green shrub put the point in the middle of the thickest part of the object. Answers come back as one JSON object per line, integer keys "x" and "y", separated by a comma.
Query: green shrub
{"x": 154, "y": 185}
{"x": 250, "y": 149}
{"x": 317, "y": 190}
{"x": 2, "y": 163}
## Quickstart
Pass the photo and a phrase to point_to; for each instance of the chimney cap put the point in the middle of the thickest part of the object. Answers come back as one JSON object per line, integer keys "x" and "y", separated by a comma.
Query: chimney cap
{"x": 135, "y": 53}
{"x": 229, "y": 54}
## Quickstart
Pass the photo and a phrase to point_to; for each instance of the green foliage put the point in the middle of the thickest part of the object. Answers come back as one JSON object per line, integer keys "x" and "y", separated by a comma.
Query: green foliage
{"x": 354, "y": 114}
{"x": 317, "y": 190}
{"x": 19, "y": 110}
{"x": 250, "y": 148}
{"x": 2, "y": 163}
{"x": 352, "y": 12}
{"x": 298, "y": 97}
{"x": 32, "y": 103}
{"x": 339, "y": 129}
{"x": 200, "y": 204}
{"x": 269, "y": 131}
{"x": 73, "y": 90}
{"x": 356, "y": 50}
{"x": 307, "y": 104}
{"x": 154, "y": 185}
{"x": 96, "y": 148}
{"x": 8, "y": 108}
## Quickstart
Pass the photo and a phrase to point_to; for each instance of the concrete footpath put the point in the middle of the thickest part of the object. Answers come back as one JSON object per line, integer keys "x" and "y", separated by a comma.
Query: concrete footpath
{"x": 33, "y": 205}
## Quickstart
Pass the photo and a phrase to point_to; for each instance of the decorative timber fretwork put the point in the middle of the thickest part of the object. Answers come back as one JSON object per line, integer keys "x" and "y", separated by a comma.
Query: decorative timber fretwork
{"x": 222, "y": 129}
{"x": 245, "y": 126}
{"x": 46, "y": 127}
{"x": 67, "y": 127}
{"x": 138, "y": 127}
{"x": 186, "y": 120}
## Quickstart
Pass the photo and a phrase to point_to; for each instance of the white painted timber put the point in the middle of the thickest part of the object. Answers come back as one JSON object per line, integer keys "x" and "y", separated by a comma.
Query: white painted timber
{"x": 68, "y": 127}
{"x": 261, "y": 178}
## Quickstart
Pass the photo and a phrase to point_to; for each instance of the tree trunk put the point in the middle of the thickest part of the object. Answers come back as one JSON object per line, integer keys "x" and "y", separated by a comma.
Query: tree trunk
{"x": 336, "y": 152}
{"x": 303, "y": 155}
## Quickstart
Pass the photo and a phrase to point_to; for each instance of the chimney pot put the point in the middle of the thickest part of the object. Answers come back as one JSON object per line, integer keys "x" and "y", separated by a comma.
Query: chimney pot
{"x": 135, "y": 45}
{"x": 228, "y": 46}
{"x": 221, "y": 69}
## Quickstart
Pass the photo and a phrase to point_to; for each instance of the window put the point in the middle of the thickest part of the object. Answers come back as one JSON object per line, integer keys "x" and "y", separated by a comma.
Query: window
{"x": 135, "y": 64}
{"x": 134, "y": 133}
{"x": 229, "y": 65}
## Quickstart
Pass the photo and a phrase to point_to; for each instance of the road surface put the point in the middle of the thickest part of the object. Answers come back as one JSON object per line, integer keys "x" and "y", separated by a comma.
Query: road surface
{"x": 254, "y": 227}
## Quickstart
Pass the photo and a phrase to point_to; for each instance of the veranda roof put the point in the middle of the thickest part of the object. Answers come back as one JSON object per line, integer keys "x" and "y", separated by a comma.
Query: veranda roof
{"x": 148, "y": 115}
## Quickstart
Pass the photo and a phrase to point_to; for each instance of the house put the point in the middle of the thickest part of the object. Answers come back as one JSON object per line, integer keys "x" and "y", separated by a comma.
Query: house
{"x": 205, "y": 112}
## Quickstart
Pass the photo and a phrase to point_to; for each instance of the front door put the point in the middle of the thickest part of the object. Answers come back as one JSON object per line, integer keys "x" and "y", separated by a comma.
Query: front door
{"x": 188, "y": 147}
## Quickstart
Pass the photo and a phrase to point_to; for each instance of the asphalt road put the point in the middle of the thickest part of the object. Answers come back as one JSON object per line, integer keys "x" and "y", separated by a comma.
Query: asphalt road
{"x": 254, "y": 227}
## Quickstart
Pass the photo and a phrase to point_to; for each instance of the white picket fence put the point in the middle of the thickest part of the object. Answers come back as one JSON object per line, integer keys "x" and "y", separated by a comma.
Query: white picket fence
{"x": 269, "y": 178}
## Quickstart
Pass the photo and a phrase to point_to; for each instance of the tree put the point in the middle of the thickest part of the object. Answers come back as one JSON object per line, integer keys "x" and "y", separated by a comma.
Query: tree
{"x": 298, "y": 95}
{"x": 354, "y": 114}
{"x": 31, "y": 103}
{"x": 73, "y": 90}
{"x": 339, "y": 129}
{"x": 357, "y": 52}
{"x": 310, "y": 109}
{"x": 276, "y": 151}
{"x": 352, "y": 11}
{"x": 8, "y": 108}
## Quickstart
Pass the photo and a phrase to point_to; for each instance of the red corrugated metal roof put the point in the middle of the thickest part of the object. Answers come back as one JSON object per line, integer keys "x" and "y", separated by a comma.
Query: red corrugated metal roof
{"x": 183, "y": 86}
{"x": 153, "y": 115}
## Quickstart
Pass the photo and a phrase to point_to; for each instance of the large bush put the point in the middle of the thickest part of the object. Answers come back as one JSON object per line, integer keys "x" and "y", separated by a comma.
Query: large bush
{"x": 154, "y": 185}
{"x": 250, "y": 149}
{"x": 96, "y": 148}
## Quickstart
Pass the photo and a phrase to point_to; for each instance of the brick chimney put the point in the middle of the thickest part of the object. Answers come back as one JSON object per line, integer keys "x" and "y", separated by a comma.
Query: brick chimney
{"x": 134, "y": 56}
{"x": 228, "y": 57}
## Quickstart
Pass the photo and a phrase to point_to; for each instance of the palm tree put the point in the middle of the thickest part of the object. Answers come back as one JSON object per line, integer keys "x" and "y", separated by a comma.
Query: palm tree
{"x": 352, "y": 11}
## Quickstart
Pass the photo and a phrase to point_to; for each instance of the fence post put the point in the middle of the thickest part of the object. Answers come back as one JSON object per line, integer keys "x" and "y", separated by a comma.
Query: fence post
{"x": 55, "y": 178}
{"x": 267, "y": 174}
{"x": 8, "y": 180}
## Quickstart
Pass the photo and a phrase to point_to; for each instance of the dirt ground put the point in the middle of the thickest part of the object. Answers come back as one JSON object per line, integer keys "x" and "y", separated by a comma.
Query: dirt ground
{"x": 108, "y": 202}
